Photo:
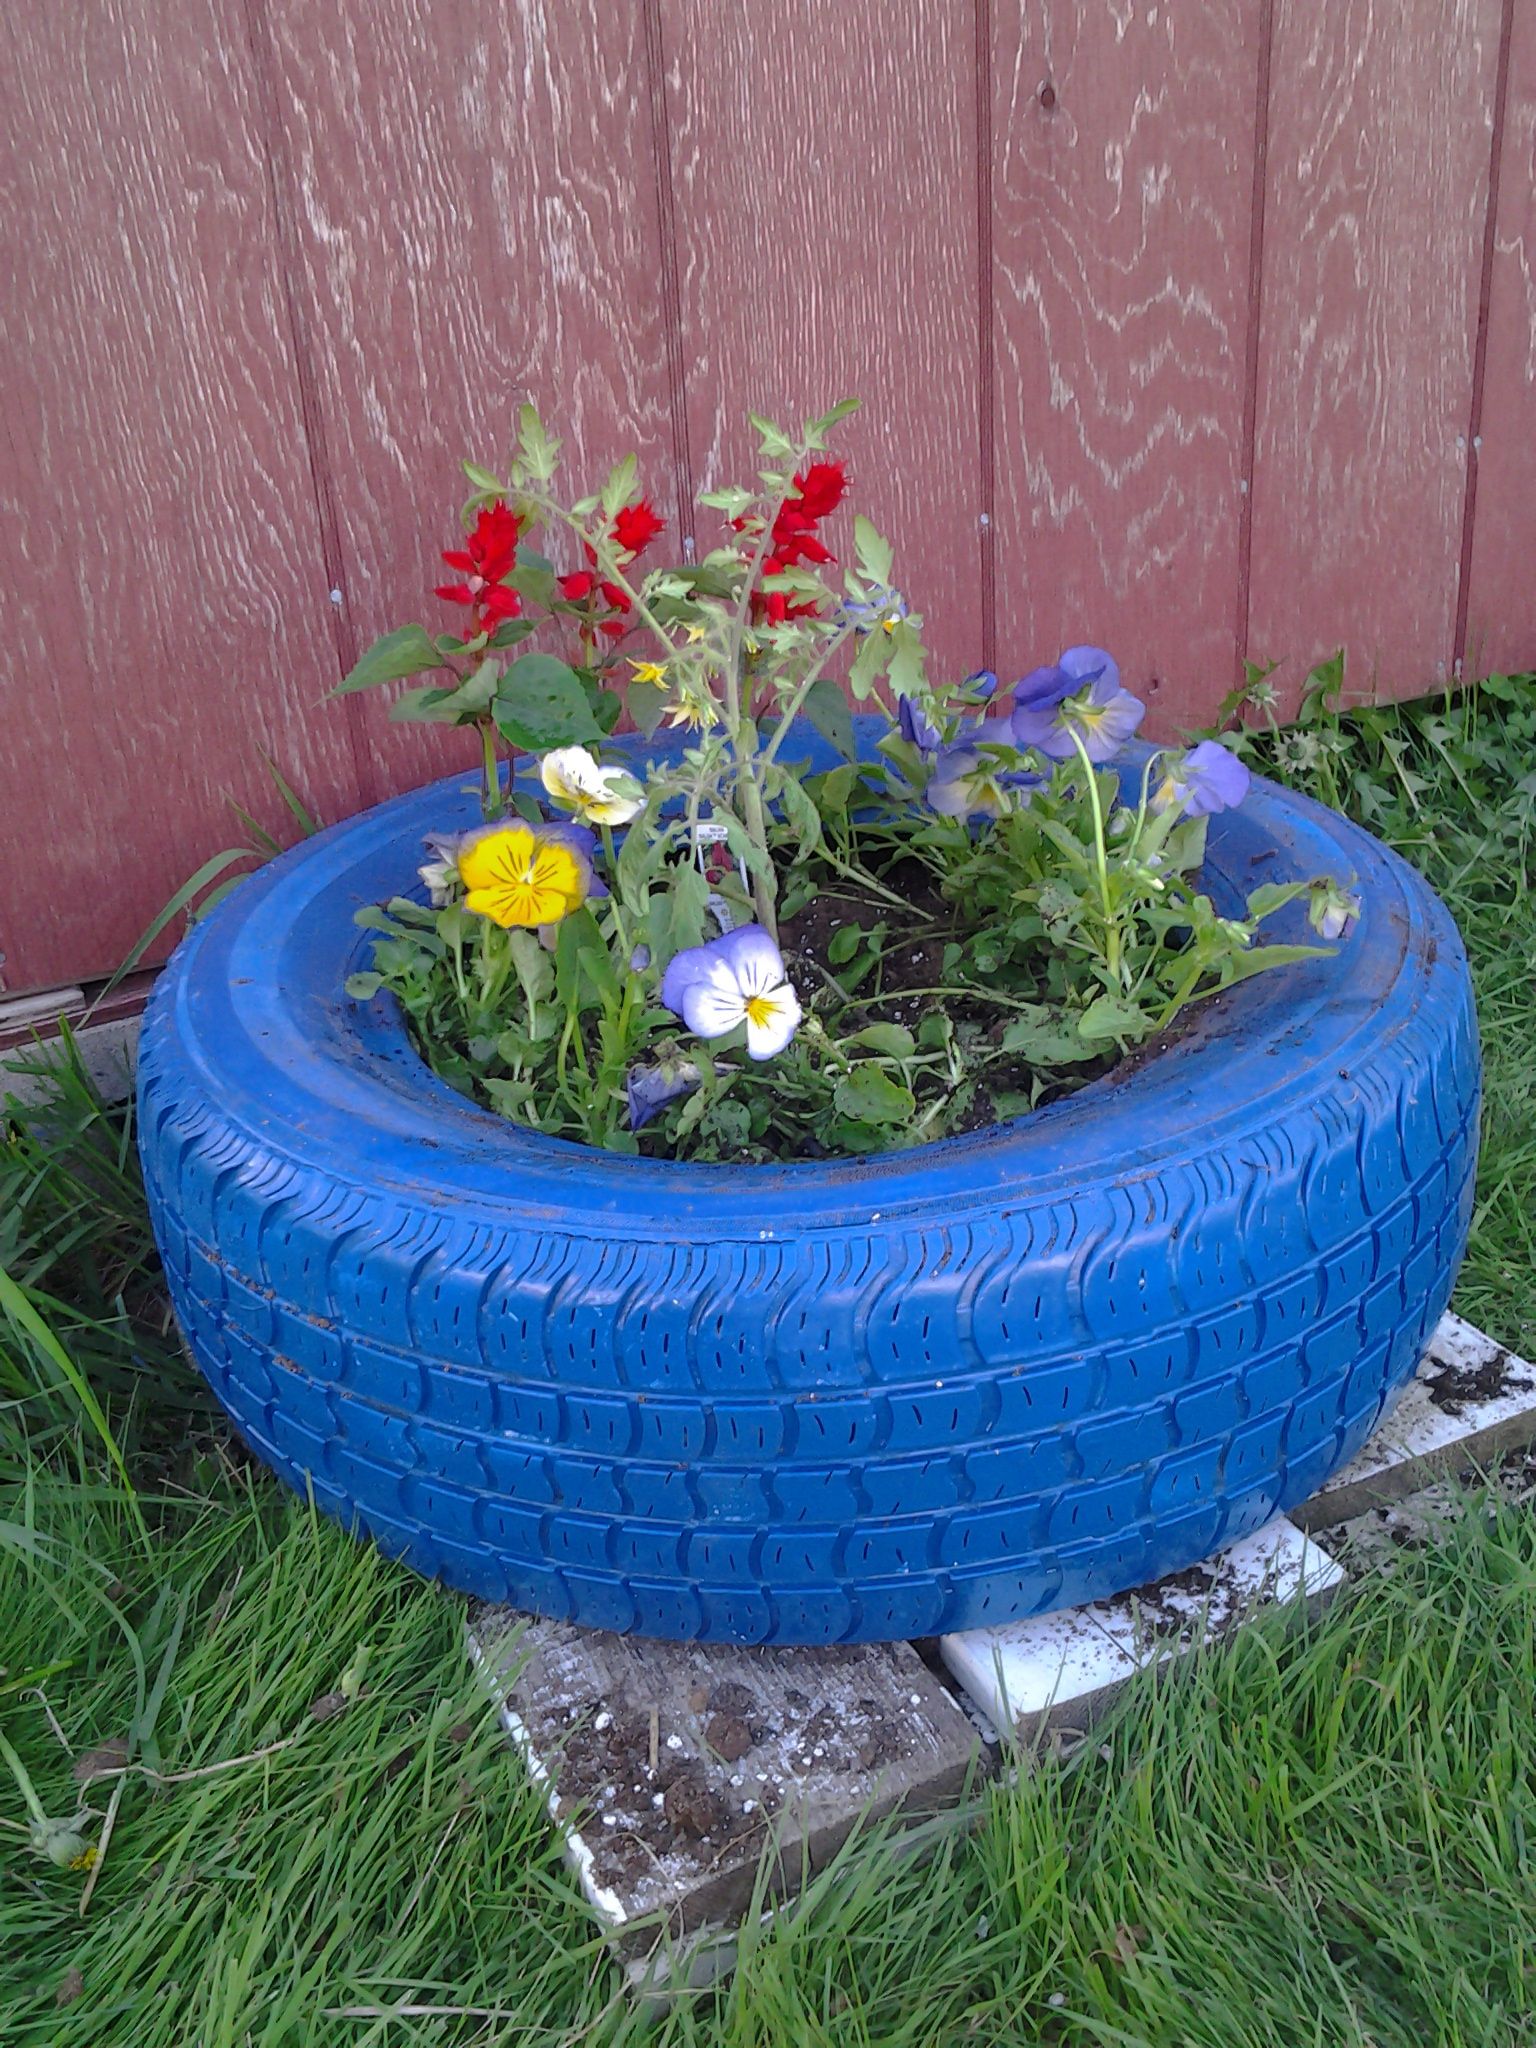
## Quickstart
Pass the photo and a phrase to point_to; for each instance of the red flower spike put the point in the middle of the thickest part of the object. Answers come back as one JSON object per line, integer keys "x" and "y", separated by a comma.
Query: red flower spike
{"x": 578, "y": 586}
{"x": 487, "y": 555}
{"x": 636, "y": 526}
{"x": 500, "y": 604}
{"x": 821, "y": 488}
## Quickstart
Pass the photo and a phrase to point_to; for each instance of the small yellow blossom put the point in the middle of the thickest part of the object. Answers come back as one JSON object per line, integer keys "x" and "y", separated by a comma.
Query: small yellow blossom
{"x": 697, "y": 633}
{"x": 699, "y": 714}
{"x": 650, "y": 672}
{"x": 524, "y": 875}
{"x": 86, "y": 1860}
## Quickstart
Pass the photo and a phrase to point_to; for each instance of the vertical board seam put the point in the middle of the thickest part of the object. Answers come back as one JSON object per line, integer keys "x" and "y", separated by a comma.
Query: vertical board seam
{"x": 986, "y": 365}
{"x": 1257, "y": 203}
{"x": 279, "y": 185}
{"x": 671, "y": 285}
{"x": 1480, "y": 343}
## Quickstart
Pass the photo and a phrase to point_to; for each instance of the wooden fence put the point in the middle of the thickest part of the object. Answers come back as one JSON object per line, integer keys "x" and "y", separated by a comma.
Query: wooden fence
{"x": 1203, "y": 331}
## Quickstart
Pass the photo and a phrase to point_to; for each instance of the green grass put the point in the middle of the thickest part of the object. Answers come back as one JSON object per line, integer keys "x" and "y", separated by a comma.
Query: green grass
{"x": 1316, "y": 1837}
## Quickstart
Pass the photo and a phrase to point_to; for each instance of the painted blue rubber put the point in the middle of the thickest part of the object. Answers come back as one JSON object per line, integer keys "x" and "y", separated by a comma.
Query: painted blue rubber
{"x": 811, "y": 1403}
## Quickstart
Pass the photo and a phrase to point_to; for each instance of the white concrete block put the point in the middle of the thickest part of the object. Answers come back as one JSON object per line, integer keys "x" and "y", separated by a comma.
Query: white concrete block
{"x": 1470, "y": 1400}
{"x": 1059, "y": 1670}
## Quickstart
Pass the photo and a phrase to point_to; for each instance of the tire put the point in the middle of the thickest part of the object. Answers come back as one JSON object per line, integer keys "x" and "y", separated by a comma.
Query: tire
{"x": 847, "y": 1401}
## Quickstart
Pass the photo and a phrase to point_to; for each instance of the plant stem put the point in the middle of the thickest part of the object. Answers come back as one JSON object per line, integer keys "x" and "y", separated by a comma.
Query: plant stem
{"x": 1111, "y": 921}
{"x": 802, "y": 691}
{"x": 613, "y": 895}
{"x": 491, "y": 800}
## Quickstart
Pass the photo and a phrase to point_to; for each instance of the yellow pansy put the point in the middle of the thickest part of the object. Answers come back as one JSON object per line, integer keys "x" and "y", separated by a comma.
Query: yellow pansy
{"x": 522, "y": 874}
{"x": 650, "y": 672}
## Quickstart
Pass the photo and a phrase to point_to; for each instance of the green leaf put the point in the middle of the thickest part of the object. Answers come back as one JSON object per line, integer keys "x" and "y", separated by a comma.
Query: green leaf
{"x": 894, "y": 1040}
{"x": 541, "y": 704}
{"x": 801, "y": 813}
{"x": 908, "y": 662}
{"x": 775, "y": 442}
{"x": 874, "y": 650}
{"x": 1107, "y": 1017}
{"x": 420, "y": 707}
{"x": 483, "y": 480}
{"x": 817, "y": 431}
{"x": 873, "y": 550}
{"x": 1272, "y": 896}
{"x": 827, "y": 709}
{"x": 405, "y": 652}
{"x": 1045, "y": 1037}
{"x": 539, "y": 452}
{"x": 620, "y": 487}
{"x": 869, "y": 1096}
{"x": 843, "y": 944}
{"x": 511, "y": 631}
{"x": 647, "y": 706}
{"x": 363, "y": 987}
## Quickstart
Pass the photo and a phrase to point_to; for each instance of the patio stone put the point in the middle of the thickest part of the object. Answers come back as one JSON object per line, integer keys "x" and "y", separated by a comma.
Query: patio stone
{"x": 671, "y": 1767}
{"x": 1470, "y": 1402}
{"x": 1059, "y": 1671}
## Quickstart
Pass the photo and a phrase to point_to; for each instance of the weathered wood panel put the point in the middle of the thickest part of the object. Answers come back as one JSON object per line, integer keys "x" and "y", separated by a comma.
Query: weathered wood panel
{"x": 471, "y": 203}
{"x": 1501, "y": 597}
{"x": 1122, "y": 180}
{"x": 1379, "y": 126}
{"x": 166, "y": 597}
{"x": 824, "y": 170}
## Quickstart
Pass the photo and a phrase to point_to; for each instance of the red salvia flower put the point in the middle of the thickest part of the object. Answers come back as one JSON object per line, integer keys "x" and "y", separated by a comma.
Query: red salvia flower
{"x": 636, "y": 526}
{"x": 818, "y": 490}
{"x": 821, "y": 489}
{"x": 488, "y": 554}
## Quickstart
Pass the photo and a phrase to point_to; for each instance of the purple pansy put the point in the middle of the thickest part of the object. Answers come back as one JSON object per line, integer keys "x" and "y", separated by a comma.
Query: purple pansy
{"x": 1207, "y": 779}
{"x": 917, "y": 728}
{"x": 650, "y": 1089}
{"x": 1333, "y": 912}
{"x": 736, "y": 979}
{"x": 1079, "y": 695}
{"x": 968, "y": 782}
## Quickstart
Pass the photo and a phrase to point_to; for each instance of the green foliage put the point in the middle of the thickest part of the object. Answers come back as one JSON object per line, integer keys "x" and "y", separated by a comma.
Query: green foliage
{"x": 1066, "y": 927}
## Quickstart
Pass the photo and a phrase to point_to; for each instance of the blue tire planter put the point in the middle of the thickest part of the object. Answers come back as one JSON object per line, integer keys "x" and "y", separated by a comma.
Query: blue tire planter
{"x": 827, "y": 1402}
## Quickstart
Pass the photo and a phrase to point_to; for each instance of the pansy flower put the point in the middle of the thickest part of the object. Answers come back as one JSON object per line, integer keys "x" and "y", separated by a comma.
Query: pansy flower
{"x": 1079, "y": 695}
{"x": 736, "y": 979}
{"x": 1332, "y": 912}
{"x": 440, "y": 871}
{"x": 1207, "y": 779}
{"x": 973, "y": 778}
{"x": 522, "y": 874}
{"x": 916, "y": 727}
{"x": 649, "y": 1089}
{"x": 597, "y": 794}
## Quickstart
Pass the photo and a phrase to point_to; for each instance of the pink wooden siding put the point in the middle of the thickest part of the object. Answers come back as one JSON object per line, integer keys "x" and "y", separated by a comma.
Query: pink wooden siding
{"x": 1205, "y": 332}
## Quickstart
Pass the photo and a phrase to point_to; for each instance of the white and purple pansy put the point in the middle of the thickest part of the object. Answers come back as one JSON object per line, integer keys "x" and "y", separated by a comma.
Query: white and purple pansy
{"x": 736, "y": 979}
{"x": 1332, "y": 912}
{"x": 649, "y": 1089}
{"x": 1207, "y": 779}
{"x": 1077, "y": 699}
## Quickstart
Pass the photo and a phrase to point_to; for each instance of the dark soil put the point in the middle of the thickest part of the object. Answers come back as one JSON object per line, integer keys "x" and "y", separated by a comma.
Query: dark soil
{"x": 1452, "y": 1387}
{"x": 721, "y": 1772}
